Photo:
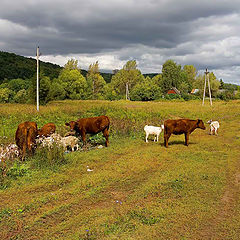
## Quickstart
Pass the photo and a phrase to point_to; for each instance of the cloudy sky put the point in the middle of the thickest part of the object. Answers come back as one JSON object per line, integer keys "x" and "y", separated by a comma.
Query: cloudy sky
{"x": 202, "y": 33}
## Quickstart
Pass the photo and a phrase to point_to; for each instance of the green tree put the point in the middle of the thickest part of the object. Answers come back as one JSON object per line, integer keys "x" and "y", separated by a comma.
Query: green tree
{"x": 126, "y": 78}
{"x": 171, "y": 75}
{"x": 21, "y": 96}
{"x": 72, "y": 65}
{"x": 95, "y": 81}
{"x": 5, "y": 95}
{"x": 18, "y": 84}
{"x": 146, "y": 90}
{"x": 56, "y": 91}
{"x": 191, "y": 73}
{"x": 158, "y": 79}
{"x": 44, "y": 88}
{"x": 73, "y": 82}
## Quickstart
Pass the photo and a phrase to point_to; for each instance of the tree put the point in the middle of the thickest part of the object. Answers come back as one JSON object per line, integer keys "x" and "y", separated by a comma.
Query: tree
{"x": 5, "y": 95}
{"x": 191, "y": 73}
{"x": 18, "y": 84}
{"x": 21, "y": 96}
{"x": 95, "y": 81}
{"x": 44, "y": 88}
{"x": 126, "y": 78}
{"x": 73, "y": 83}
{"x": 146, "y": 90}
{"x": 171, "y": 75}
{"x": 158, "y": 79}
{"x": 72, "y": 65}
{"x": 56, "y": 91}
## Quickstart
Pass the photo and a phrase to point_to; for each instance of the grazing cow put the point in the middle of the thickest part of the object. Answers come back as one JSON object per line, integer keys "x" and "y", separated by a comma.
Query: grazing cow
{"x": 47, "y": 130}
{"x": 181, "y": 126}
{"x": 91, "y": 125}
{"x": 153, "y": 130}
{"x": 214, "y": 125}
{"x": 25, "y": 138}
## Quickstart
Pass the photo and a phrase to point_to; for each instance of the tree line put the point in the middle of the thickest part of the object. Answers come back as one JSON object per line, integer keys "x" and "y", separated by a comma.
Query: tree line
{"x": 126, "y": 83}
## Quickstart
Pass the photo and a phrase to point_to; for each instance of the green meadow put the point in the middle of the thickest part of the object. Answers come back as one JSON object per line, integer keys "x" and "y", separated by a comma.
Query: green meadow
{"x": 136, "y": 190}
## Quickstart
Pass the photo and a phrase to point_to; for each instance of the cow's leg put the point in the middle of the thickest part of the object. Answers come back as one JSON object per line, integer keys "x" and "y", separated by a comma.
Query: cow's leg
{"x": 106, "y": 135}
{"x": 157, "y": 137}
{"x": 83, "y": 134}
{"x": 166, "y": 137}
{"x": 186, "y": 138}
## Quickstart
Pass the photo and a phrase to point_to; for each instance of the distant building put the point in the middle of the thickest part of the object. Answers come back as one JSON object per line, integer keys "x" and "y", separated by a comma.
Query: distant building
{"x": 194, "y": 91}
{"x": 173, "y": 90}
{"x": 115, "y": 71}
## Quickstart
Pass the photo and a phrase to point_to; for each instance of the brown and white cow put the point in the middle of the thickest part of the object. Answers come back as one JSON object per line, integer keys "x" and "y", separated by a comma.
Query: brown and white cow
{"x": 47, "y": 130}
{"x": 26, "y": 138}
{"x": 181, "y": 126}
{"x": 91, "y": 125}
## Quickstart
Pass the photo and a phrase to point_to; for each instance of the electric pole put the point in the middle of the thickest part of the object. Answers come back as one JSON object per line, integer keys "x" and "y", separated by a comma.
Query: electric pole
{"x": 38, "y": 79}
{"x": 205, "y": 85}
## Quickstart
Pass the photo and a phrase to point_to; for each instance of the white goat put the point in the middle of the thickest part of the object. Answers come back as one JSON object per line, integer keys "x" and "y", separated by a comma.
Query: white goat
{"x": 153, "y": 130}
{"x": 214, "y": 125}
{"x": 70, "y": 141}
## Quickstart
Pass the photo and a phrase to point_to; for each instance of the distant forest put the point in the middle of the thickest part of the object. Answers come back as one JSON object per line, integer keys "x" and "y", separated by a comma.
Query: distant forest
{"x": 18, "y": 82}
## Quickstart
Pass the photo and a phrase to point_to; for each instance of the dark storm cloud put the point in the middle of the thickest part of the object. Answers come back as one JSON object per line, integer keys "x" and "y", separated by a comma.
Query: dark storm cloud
{"x": 189, "y": 32}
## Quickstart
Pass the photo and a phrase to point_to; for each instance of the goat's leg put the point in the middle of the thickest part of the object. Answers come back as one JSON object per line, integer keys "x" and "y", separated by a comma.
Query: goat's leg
{"x": 147, "y": 137}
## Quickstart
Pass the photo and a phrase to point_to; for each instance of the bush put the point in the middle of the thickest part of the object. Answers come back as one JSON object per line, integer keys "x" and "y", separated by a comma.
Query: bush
{"x": 227, "y": 95}
{"x": 146, "y": 91}
{"x": 48, "y": 157}
{"x": 21, "y": 96}
{"x": 172, "y": 96}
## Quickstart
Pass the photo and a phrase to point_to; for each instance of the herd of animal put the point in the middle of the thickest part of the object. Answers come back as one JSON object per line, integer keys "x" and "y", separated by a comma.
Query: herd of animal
{"x": 28, "y": 136}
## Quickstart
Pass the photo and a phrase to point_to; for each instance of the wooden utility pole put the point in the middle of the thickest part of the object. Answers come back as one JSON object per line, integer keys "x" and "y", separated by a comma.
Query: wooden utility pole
{"x": 127, "y": 92}
{"x": 38, "y": 79}
{"x": 205, "y": 85}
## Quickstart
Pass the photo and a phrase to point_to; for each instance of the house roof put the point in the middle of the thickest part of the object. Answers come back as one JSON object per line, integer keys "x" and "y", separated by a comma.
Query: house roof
{"x": 194, "y": 90}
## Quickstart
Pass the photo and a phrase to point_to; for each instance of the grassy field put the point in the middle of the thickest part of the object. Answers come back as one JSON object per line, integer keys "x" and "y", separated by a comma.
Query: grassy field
{"x": 136, "y": 190}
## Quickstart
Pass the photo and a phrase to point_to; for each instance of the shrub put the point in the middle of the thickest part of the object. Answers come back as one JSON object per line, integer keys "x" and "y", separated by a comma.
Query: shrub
{"x": 48, "y": 157}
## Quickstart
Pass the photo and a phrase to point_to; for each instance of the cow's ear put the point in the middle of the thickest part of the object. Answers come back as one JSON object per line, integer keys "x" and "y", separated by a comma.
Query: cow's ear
{"x": 67, "y": 124}
{"x": 198, "y": 121}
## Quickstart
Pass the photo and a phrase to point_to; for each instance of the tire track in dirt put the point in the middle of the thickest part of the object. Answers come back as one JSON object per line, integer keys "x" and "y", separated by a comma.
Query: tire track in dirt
{"x": 228, "y": 203}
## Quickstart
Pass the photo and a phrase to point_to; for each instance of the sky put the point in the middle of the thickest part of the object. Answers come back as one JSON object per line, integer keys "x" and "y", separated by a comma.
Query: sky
{"x": 203, "y": 33}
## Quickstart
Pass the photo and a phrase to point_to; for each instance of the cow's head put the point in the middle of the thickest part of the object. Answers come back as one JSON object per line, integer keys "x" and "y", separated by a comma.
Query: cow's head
{"x": 72, "y": 125}
{"x": 200, "y": 124}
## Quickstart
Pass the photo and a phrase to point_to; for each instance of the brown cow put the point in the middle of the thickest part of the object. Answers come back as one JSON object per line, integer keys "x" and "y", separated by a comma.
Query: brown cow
{"x": 91, "y": 125}
{"x": 47, "y": 130}
{"x": 25, "y": 138}
{"x": 181, "y": 126}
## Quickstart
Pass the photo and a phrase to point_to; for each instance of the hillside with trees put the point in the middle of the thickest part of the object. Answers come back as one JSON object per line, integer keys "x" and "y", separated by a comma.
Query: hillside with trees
{"x": 18, "y": 82}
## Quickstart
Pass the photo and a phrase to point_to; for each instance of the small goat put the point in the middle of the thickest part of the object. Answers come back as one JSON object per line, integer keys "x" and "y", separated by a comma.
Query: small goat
{"x": 153, "y": 130}
{"x": 214, "y": 125}
{"x": 70, "y": 141}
